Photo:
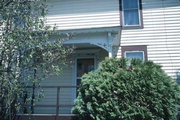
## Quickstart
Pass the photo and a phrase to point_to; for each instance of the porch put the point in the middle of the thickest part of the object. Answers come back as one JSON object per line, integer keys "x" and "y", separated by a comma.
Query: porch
{"x": 58, "y": 106}
{"x": 60, "y": 92}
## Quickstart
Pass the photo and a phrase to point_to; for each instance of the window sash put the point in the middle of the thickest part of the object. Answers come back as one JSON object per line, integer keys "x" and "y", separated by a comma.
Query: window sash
{"x": 131, "y": 19}
{"x": 143, "y": 54}
{"x": 130, "y": 4}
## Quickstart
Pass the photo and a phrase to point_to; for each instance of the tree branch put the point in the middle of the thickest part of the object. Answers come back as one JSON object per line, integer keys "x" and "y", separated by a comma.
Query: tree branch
{"x": 5, "y": 4}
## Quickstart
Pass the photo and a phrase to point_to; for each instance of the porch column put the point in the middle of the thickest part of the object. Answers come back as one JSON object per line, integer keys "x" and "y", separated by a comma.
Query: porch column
{"x": 110, "y": 54}
{"x": 110, "y": 39}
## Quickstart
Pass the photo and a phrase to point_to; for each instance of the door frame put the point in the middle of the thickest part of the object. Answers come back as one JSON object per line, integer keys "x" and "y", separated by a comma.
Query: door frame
{"x": 76, "y": 66}
{"x": 75, "y": 70}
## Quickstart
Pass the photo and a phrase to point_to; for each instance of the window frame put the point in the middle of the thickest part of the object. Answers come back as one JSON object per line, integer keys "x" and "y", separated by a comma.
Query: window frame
{"x": 125, "y": 53}
{"x": 135, "y": 48}
{"x": 140, "y": 25}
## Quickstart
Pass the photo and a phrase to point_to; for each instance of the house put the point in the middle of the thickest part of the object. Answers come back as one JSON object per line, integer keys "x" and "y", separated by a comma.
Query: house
{"x": 144, "y": 29}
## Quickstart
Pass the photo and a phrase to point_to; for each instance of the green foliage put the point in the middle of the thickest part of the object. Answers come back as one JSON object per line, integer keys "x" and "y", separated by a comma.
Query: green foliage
{"x": 27, "y": 52}
{"x": 127, "y": 90}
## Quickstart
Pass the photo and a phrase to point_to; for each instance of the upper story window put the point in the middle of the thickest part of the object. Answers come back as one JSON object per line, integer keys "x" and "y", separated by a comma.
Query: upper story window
{"x": 131, "y": 13}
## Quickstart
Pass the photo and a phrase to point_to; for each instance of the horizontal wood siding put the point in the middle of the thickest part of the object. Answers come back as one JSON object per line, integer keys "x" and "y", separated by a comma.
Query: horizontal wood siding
{"x": 83, "y": 14}
{"x": 67, "y": 78}
{"x": 66, "y": 94}
{"x": 161, "y": 34}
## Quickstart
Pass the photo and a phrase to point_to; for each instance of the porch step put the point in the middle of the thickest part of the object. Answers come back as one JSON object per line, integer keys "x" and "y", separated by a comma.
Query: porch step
{"x": 45, "y": 117}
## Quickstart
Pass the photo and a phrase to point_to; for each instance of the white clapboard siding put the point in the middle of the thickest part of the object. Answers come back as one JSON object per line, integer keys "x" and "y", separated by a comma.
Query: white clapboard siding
{"x": 67, "y": 78}
{"x": 161, "y": 34}
{"x": 83, "y": 14}
{"x": 66, "y": 94}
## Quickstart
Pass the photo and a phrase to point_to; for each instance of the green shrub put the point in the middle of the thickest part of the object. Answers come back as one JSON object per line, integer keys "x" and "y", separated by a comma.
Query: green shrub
{"x": 127, "y": 90}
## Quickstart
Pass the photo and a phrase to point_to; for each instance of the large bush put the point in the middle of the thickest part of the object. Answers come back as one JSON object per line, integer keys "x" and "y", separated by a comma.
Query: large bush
{"x": 127, "y": 90}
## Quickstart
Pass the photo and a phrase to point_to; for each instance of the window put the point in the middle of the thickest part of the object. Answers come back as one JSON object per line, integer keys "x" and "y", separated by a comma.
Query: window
{"x": 131, "y": 13}
{"x": 134, "y": 54}
{"x": 138, "y": 51}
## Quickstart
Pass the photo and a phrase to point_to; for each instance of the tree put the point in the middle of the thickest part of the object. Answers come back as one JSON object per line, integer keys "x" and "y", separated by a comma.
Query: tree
{"x": 122, "y": 90}
{"x": 27, "y": 51}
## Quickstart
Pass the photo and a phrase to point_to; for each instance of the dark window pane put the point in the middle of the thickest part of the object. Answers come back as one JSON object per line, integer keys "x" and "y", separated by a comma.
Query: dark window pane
{"x": 130, "y": 4}
{"x": 78, "y": 82}
{"x": 131, "y": 17}
{"x": 137, "y": 55}
{"x": 84, "y": 66}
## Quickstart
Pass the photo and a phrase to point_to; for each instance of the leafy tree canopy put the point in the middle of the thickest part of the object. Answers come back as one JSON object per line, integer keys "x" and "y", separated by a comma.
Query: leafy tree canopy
{"x": 27, "y": 51}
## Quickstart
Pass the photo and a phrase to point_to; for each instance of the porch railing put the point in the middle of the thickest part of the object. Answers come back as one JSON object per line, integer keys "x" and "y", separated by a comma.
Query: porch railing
{"x": 58, "y": 95}
{"x": 57, "y": 105}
